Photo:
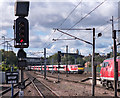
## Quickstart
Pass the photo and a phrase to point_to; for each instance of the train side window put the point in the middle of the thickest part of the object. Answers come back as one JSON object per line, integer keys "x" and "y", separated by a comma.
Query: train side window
{"x": 103, "y": 65}
{"x": 106, "y": 63}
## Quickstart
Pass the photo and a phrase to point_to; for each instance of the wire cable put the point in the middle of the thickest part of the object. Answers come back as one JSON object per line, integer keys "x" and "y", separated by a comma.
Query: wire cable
{"x": 65, "y": 19}
{"x": 83, "y": 18}
{"x": 88, "y": 14}
{"x": 108, "y": 25}
{"x": 70, "y": 14}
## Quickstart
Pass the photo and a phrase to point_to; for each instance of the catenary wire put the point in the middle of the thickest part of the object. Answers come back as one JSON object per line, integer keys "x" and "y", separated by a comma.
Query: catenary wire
{"x": 65, "y": 19}
{"x": 82, "y": 18}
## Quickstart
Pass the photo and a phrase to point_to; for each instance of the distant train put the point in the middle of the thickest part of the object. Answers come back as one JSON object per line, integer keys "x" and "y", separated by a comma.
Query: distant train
{"x": 62, "y": 68}
{"x": 107, "y": 72}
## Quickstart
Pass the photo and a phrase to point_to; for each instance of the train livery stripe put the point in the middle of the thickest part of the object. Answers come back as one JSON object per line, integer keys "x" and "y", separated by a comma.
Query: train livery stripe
{"x": 71, "y": 68}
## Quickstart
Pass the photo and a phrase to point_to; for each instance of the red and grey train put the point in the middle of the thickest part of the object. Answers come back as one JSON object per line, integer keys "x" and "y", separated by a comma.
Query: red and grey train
{"x": 107, "y": 72}
{"x": 62, "y": 68}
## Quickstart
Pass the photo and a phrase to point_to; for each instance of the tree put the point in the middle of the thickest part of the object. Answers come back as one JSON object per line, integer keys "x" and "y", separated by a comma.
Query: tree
{"x": 80, "y": 61}
{"x": 9, "y": 57}
{"x": 53, "y": 59}
{"x": 71, "y": 60}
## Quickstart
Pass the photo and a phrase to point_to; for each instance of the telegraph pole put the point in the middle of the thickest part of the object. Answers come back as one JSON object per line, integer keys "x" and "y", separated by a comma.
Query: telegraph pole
{"x": 112, "y": 29}
{"x": 93, "y": 65}
{"x": 114, "y": 55}
{"x": 44, "y": 63}
{"x": 66, "y": 60}
{"x": 115, "y": 63}
{"x": 112, "y": 23}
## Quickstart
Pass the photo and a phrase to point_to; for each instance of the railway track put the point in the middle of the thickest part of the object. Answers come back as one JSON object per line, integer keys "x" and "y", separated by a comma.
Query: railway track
{"x": 7, "y": 92}
{"x": 68, "y": 80}
{"x": 42, "y": 89}
{"x": 50, "y": 78}
{"x": 82, "y": 81}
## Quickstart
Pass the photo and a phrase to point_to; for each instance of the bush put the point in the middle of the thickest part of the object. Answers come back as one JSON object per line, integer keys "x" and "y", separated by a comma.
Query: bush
{"x": 15, "y": 68}
{"x": 4, "y": 67}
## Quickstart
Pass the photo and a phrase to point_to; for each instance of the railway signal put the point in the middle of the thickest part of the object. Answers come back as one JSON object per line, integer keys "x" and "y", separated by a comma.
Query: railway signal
{"x": 21, "y": 33}
{"x": 59, "y": 56}
{"x": 21, "y": 8}
{"x": 21, "y": 36}
{"x": 21, "y": 58}
{"x": 59, "y": 60}
{"x": 21, "y": 53}
{"x": 21, "y": 25}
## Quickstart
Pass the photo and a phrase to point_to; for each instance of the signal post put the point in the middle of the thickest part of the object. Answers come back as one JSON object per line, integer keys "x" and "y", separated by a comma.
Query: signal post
{"x": 21, "y": 38}
{"x": 59, "y": 60}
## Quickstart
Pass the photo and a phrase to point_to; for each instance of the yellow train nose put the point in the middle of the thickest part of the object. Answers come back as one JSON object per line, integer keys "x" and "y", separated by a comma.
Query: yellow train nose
{"x": 80, "y": 68}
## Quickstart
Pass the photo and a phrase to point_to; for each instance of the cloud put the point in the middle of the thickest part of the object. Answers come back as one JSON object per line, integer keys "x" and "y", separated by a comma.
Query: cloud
{"x": 3, "y": 32}
{"x": 44, "y": 16}
{"x": 53, "y": 20}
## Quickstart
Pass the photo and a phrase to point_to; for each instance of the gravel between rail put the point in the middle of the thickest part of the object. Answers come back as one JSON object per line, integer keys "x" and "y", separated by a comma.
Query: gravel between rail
{"x": 43, "y": 90}
{"x": 65, "y": 88}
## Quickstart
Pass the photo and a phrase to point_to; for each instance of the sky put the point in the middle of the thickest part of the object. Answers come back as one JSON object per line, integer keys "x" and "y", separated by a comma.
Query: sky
{"x": 44, "y": 15}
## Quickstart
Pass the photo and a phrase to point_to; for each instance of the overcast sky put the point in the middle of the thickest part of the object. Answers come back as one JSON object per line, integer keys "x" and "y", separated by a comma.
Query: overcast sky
{"x": 44, "y": 15}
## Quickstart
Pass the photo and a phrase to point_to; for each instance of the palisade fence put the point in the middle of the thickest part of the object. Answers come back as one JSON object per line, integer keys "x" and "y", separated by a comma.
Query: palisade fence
{"x": 89, "y": 69}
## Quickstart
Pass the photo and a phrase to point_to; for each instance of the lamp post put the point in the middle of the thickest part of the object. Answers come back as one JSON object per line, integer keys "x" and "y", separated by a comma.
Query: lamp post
{"x": 93, "y": 65}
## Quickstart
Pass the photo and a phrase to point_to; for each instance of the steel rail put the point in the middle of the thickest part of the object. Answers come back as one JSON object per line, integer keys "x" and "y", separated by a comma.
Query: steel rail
{"x": 81, "y": 82}
{"x": 8, "y": 89}
{"x": 38, "y": 90}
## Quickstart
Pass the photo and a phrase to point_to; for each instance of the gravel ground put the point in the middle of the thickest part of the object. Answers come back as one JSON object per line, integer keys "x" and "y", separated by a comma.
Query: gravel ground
{"x": 30, "y": 90}
{"x": 65, "y": 88}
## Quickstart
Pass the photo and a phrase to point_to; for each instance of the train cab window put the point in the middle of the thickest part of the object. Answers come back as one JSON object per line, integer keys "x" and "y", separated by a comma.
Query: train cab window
{"x": 105, "y": 64}
{"x": 75, "y": 66}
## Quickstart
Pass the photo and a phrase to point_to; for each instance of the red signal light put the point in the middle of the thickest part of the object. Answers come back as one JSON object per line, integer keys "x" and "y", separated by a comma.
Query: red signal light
{"x": 21, "y": 40}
